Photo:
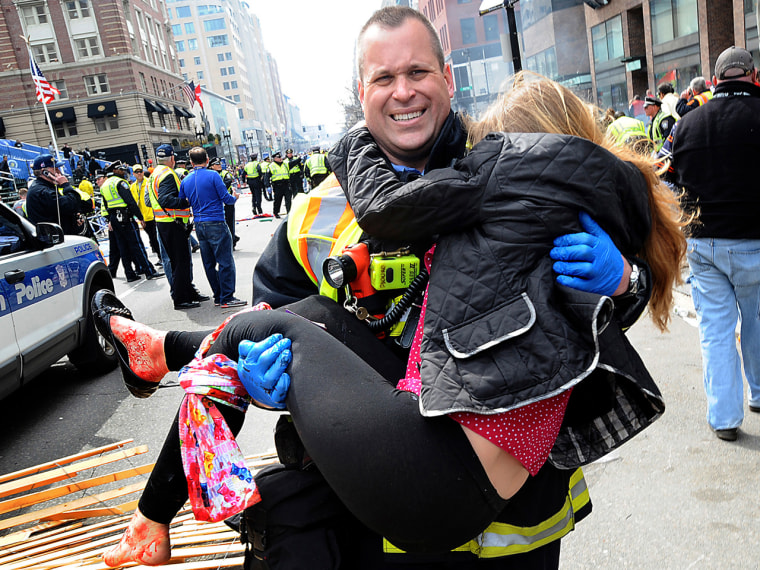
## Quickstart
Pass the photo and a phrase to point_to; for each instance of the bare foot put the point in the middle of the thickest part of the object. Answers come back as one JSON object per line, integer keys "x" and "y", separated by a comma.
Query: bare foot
{"x": 144, "y": 541}
{"x": 145, "y": 348}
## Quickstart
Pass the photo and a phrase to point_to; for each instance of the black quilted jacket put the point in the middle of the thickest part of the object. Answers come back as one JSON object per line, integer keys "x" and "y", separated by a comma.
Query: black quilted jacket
{"x": 499, "y": 331}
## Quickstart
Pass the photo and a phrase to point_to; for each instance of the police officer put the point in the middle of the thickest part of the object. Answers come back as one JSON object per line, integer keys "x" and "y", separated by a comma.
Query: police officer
{"x": 316, "y": 168}
{"x": 253, "y": 176}
{"x": 180, "y": 168}
{"x": 279, "y": 176}
{"x": 172, "y": 215}
{"x": 295, "y": 171}
{"x": 660, "y": 124}
{"x": 266, "y": 178}
{"x": 229, "y": 209}
{"x": 51, "y": 198}
{"x": 121, "y": 208}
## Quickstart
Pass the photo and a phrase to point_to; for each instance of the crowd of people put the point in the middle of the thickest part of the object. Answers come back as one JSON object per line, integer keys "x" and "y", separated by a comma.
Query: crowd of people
{"x": 534, "y": 237}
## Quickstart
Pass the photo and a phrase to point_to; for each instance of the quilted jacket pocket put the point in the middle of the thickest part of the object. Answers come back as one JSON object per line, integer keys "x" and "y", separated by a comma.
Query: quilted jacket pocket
{"x": 508, "y": 320}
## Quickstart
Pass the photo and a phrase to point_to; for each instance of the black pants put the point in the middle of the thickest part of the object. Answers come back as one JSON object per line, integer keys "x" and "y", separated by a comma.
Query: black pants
{"x": 131, "y": 250}
{"x": 229, "y": 217}
{"x": 412, "y": 479}
{"x": 174, "y": 239}
{"x": 255, "y": 185}
{"x": 296, "y": 183}
{"x": 281, "y": 190}
{"x": 317, "y": 179}
{"x": 150, "y": 229}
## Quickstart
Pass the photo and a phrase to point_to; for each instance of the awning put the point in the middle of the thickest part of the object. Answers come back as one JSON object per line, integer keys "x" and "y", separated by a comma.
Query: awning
{"x": 487, "y": 6}
{"x": 188, "y": 114}
{"x": 179, "y": 111}
{"x": 163, "y": 109}
{"x": 63, "y": 115}
{"x": 104, "y": 109}
{"x": 151, "y": 107}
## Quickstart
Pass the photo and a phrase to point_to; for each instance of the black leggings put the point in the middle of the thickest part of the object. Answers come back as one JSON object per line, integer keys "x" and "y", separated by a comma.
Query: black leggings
{"x": 412, "y": 479}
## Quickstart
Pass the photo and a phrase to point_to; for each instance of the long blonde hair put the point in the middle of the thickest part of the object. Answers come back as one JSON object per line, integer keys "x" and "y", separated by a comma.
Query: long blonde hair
{"x": 536, "y": 104}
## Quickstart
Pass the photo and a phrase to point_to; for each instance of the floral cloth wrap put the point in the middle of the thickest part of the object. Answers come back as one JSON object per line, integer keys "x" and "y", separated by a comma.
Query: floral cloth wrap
{"x": 219, "y": 483}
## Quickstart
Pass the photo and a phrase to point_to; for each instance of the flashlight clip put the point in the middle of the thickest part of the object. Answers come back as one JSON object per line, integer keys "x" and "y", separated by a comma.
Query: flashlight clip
{"x": 397, "y": 253}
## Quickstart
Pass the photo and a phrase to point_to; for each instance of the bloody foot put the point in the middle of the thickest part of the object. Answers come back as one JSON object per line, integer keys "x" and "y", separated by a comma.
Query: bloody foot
{"x": 145, "y": 348}
{"x": 144, "y": 542}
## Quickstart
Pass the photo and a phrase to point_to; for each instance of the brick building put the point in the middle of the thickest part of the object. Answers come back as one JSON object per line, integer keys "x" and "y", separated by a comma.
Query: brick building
{"x": 113, "y": 62}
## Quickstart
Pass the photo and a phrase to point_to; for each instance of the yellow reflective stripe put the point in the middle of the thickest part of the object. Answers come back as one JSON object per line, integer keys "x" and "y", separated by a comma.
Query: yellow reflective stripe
{"x": 503, "y": 539}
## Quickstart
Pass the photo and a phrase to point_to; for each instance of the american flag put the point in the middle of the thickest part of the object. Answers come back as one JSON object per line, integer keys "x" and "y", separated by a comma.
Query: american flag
{"x": 45, "y": 92}
{"x": 189, "y": 90}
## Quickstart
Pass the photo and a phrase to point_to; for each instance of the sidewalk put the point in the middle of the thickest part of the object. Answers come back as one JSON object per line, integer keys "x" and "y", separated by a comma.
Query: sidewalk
{"x": 676, "y": 496}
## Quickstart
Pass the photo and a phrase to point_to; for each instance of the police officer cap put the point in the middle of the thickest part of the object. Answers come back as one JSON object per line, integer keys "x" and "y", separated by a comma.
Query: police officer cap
{"x": 290, "y": 150}
{"x": 114, "y": 165}
{"x": 315, "y": 148}
{"x": 180, "y": 160}
{"x": 277, "y": 155}
{"x": 165, "y": 151}
{"x": 254, "y": 156}
{"x": 45, "y": 161}
{"x": 99, "y": 174}
{"x": 652, "y": 101}
{"x": 215, "y": 161}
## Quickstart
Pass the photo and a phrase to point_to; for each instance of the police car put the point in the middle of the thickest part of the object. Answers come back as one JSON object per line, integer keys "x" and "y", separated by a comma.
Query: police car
{"x": 46, "y": 283}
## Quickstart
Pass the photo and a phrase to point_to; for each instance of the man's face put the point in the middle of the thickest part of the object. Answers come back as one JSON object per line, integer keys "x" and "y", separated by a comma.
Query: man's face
{"x": 100, "y": 180}
{"x": 651, "y": 110}
{"x": 139, "y": 174}
{"x": 405, "y": 95}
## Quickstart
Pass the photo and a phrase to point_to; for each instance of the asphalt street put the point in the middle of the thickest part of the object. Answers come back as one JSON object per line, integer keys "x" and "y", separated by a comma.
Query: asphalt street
{"x": 674, "y": 497}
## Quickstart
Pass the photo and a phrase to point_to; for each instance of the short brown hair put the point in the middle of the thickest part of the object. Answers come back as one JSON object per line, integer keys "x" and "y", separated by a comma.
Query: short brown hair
{"x": 393, "y": 17}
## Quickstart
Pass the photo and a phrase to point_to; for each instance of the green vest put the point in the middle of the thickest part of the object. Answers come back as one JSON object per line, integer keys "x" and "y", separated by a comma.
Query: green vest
{"x": 654, "y": 131}
{"x": 110, "y": 193}
{"x": 295, "y": 169}
{"x": 316, "y": 164}
{"x": 278, "y": 171}
{"x": 624, "y": 129}
{"x": 250, "y": 169}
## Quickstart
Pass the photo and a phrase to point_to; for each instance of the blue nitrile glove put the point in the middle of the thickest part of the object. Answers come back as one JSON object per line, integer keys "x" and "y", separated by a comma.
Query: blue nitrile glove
{"x": 588, "y": 261}
{"x": 261, "y": 369}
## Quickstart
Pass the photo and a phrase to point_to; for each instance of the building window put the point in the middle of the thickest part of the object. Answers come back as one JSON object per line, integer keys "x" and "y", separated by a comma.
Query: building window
{"x": 233, "y": 85}
{"x": 192, "y": 44}
{"x": 87, "y": 47}
{"x": 468, "y": 31}
{"x": 218, "y": 41}
{"x": 190, "y": 28}
{"x": 231, "y": 70}
{"x": 241, "y": 115}
{"x": 673, "y": 19}
{"x": 226, "y": 85}
{"x": 182, "y": 63}
{"x": 200, "y": 75}
{"x": 180, "y": 45}
{"x": 45, "y": 53}
{"x": 96, "y": 84}
{"x": 78, "y": 9}
{"x": 607, "y": 40}
{"x": 214, "y": 25}
{"x": 491, "y": 27}
{"x": 35, "y": 14}
{"x": 63, "y": 93}
{"x": 205, "y": 10}
{"x": 65, "y": 129}
{"x": 220, "y": 57}
{"x": 544, "y": 62}
{"x": 197, "y": 60}
{"x": 223, "y": 71}
{"x": 143, "y": 82}
{"x": 183, "y": 12}
{"x": 463, "y": 1}
{"x": 103, "y": 124}
{"x": 177, "y": 29}
{"x": 236, "y": 98}
{"x": 228, "y": 56}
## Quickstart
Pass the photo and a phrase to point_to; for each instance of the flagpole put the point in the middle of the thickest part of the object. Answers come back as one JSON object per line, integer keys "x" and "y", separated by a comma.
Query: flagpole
{"x": 50, "y": 126}
{"x": 44, "y": 105}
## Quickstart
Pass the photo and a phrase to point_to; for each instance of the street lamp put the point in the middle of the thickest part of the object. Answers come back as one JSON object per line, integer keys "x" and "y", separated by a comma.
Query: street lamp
{"x": 249, "y": 136}
{"x": 199, "y": 134}
{"x": 514, "y": 42}
{"x": 227, "y": 135}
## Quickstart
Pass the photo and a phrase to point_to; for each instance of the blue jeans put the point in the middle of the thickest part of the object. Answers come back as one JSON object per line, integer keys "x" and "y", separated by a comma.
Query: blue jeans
{"x": 725, "y": 285}
{"x": 216, "y": 251}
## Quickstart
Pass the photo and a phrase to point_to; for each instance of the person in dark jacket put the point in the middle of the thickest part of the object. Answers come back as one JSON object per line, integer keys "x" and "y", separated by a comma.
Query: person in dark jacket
{"x": 724, "y": 247}
{"x": 52, "y": 198}
{"x": 295, "y": 168}
{"x": 429, "y": 136}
